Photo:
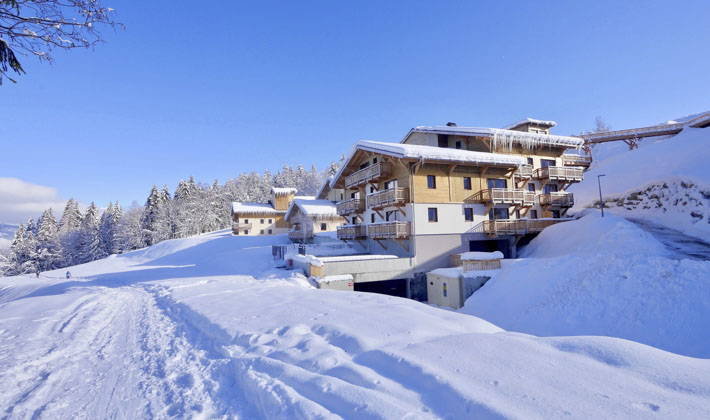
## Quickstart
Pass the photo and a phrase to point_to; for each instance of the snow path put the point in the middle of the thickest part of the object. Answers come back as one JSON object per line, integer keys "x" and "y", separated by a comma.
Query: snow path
{"x": 681, "y": 245}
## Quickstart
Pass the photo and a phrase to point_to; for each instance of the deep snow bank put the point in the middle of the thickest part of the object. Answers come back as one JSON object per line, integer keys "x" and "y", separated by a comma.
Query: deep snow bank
{"x": 668, "y": 160}
{"x": 599, "y": 276}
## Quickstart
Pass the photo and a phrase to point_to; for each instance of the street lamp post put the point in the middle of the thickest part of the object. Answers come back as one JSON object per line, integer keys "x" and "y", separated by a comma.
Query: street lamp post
{"x": 601, "y": 201}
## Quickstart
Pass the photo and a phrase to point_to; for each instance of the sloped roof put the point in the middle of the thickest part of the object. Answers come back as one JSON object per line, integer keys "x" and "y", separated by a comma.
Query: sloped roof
{"x": 312, "y": 208}
{"x": 254, "y": 208}
{"x": 439, "y": 154}
{"x": 324, "y": 189}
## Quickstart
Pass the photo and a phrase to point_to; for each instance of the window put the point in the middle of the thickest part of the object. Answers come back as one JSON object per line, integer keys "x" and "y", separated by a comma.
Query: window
{"x": 550, "y": 188}
{"x": 352, "y": 195}
{"x": 468, "y": 214}
{"x": 261, "y": 232}
{"x": 246, "y": 232}
{"x": 354, "y": 220}
{"x": 372, "y": 218}
{"x": 246, "y": 220}
{"x": 431, "y": 181}
{"x": 547, "y": 162}
{"x": 533, "y": 214}
{"x": 467, "y": 183}
{"x": 372, "y": 189}
{"x": 364, "y": 165}
{"x": 443, "y": 140}
{"x": 497, "y": 183}
{"x": 374, "y": 160}
{"x": 517, "y": 214}
{"x": 323, "y": 226}
{"x": 458, "y": 144}
{"x": 270, "y": 232}
{"x": 530, "y": 161}
{"x": 270, "y": 222}
{"x": 433, "y": 214}
{"x": 341, "y": 196}
{"x": 531, "y": 187}
{"x": 262, "y": 221}
{"x": 498, "y": 214}
{"x": 391, "y": 215}
{"x": 555, "y": 214}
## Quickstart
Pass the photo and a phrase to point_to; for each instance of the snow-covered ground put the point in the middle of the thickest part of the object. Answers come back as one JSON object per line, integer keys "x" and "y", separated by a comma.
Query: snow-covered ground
{"x": 602, "y": 276}
{"x": 666, "y": 180}
{"x": 205, "y": 327}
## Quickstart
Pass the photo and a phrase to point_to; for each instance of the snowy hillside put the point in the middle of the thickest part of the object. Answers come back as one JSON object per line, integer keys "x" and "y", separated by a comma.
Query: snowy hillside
{"x": 204, "y": 327}
{"x": 602, "y": 276}
{"x": 665, "y": 165}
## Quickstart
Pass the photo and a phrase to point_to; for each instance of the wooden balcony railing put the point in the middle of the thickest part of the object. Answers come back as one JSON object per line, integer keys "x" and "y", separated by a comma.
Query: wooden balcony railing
{"x": 371, "y": 173}
{"x": 505, "y": 196}
{"x": 505, "y": 227}
{"x": 557, "y": 199}
{"x": 560, "y": 173}
{"x": 388, "y": 230}
{"x": 354, "y": 205}
{"x": 390, "y": 197}
{"x": 478, "y": 265}
{"x": 351, "y": 231}
{"x": 576, "y": 160}
{"x": 524, "y": 172}
{"x": 537, "y": 225}
{"x": 241, "y": 226}
{"x": 300, "y": 235}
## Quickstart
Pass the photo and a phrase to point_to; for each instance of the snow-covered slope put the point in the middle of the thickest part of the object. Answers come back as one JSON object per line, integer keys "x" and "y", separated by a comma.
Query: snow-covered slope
{"x": 204, "y": 327}
{"x": 602, "y": 276}
{"x": 669, "y": 161}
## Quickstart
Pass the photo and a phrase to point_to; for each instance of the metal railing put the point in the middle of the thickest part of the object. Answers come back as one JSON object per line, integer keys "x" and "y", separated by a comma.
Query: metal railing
{"x": 392, "y": 196}
{"x": 576, "y": 160}
{"x": 388, "y": 230}
{"x": 354, "y": 205}
{"x": 557, "y": 199}
{"x": 371, "y": 173}
{"x": 560, "y": 173}
{"x": 505, "y": 196}
{"x": 524, "y": 171}
{"x": 351, "y": 231}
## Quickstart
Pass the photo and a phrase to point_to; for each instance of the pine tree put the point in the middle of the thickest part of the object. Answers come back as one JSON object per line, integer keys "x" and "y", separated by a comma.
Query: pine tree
{"x": 16, "y": 252}
{"x": 89, "y": 242}
{"x": 49, "y": 249}
{"x": 150, "y": 216}
{"x": 69, "y": 232}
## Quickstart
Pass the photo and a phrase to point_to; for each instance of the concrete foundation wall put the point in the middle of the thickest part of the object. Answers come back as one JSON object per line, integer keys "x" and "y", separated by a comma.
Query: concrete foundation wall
{"x": 434, "y": 251}
{"x": 346, "y": 285}
{"x": 371, "y": 270}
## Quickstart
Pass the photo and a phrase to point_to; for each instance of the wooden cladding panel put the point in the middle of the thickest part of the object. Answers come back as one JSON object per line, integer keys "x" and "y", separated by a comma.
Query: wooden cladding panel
{"x": 449, "y": 188}
{"x": 280, "y": 222}
{"x": 281, "y": 202}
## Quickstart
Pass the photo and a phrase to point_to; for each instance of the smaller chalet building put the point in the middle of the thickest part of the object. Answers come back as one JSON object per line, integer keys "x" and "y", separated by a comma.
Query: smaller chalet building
{"x": 254, "y": 219}
{"x": 308, "y": 217}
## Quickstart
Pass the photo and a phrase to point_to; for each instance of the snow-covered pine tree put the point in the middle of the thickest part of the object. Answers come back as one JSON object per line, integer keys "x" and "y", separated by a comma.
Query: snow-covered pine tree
{"x": 106, "y": 229}
{"x": 49, "y": 249}
{"x": 150, "y": 216}
{"x": 15, "y": 258}
{"x": 23, "y": 251}
{"x": 130, "y": 231}
{"x": 69, "y": 232}
{"x": 89, "y": 243}
{"x": 116, "y": 217}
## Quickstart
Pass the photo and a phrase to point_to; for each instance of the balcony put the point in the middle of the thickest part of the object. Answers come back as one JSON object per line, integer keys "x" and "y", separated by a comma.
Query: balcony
{"x": 354, "y": 205}
{"x": 557, "y": 199}
{"x": 388, "y": 230}
{"x": 391, "y": 197}
{"x": 576, "y": 160}
{"x": 371, "y": 173}
{"x": 559, "y": 173}
{"x": 524, "y": 172}
{"x": 298, "y": 235}
{"x": 241, "y": 226}
{"x": 351, "y": 231}
{"x": 518, "y": 227}
{"x": 505, "y": 196}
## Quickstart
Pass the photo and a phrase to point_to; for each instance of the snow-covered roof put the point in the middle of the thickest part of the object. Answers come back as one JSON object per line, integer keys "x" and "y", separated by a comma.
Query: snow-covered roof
{"x": 477, "y": 256}
{"x": 254, "y": 208}
{"x": 503, "y": 137}
{"x": 324, "y": 189}
{"x": 283, "y": 191}
{"x": 530, "y": 121}
{"x": 312, "y": 208}
{"x": 439, "y": 154}
{"x": 337, "y": 277}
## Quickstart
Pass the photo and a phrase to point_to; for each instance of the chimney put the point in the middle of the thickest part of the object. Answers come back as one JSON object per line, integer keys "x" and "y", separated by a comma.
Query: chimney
{"x": 451, "y": 124}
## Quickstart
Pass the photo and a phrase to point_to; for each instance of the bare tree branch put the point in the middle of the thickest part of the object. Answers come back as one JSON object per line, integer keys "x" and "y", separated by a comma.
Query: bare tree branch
{"x": 37, "y": 27}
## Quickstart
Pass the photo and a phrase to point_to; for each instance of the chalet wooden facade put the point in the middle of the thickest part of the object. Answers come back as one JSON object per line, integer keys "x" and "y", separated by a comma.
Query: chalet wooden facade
{"x": 255, "y": 219}
{"x": 449, "y": 189}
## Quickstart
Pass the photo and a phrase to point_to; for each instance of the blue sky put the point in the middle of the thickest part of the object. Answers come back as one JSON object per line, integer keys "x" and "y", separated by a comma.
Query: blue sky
{"x": 241, "y": 86}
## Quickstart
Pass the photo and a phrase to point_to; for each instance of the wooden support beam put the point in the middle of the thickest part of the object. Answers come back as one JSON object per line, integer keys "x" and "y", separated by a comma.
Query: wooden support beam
{"x": 380, "y": 243}
{"x": 360, "y": 242}
{"x": 483, "y": 171}
{"x": 417, "y": 167}
{"x": 378, "y": 213}
{"x": 399, "y": 207}
{"x": 374, "y": 185}
{"x": 451, "y": 168}
{"x": 406, "y": 248}
{"x": 525, "y": 211}
{"x": 543, "y": 183}
{"x": 564, "y": 212}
